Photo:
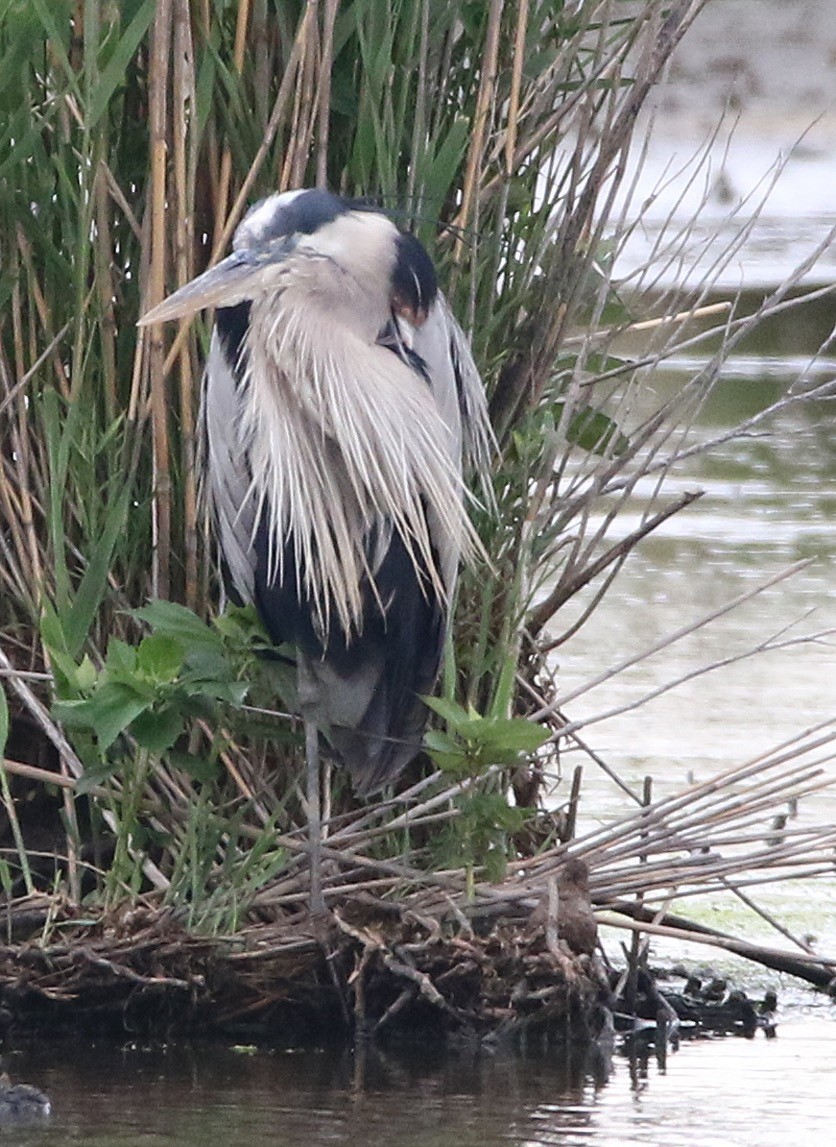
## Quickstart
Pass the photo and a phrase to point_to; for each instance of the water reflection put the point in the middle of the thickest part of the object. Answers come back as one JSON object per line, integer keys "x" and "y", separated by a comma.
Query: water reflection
{"x": 711, "y": 1093}
{"x": 190, "y": 1096}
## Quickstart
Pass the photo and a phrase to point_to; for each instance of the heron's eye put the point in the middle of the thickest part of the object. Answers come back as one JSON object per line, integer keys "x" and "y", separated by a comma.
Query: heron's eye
{"x": 414, "y": 285}
{"x": 415, "y": 315}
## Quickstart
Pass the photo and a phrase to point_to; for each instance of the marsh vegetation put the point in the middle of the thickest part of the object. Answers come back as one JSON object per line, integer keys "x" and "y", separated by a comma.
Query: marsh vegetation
{"x": 152, "y": 756}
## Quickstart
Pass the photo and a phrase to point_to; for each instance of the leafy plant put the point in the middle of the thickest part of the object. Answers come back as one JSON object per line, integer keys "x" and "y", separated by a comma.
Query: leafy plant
{"x": 480, "y": 838}
{"x": 183, "y": 670}
{"x": 140, "y": 713}
{"x": 472, "y": 746}
{"x": 472, "y": 743}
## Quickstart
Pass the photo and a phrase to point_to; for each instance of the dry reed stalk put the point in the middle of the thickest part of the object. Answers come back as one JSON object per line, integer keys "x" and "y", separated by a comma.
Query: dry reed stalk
{"x": 419, "y": 126}
{"x": 575, "y": 579}
{"x": 675, "y": 321}
{"x": 17, "y": 835}
{"x": 663, "y": 824}
{"x": 222, "y": 191}
{"x": 43, "y": 312}
{"x": 770, "y": 919}
{"x": 728, "y": 944}
{"x": 161, "y": 49}
{"x": 44, "y": 776}
{"x": 513, "y": 126}
{"x": 233, "y": 218}
{"x": 16, "y": 508}
{"x": 579, "y": 228}
{"x": 642, "y": 838}
{"x": 286, "y": 88}
{"x": 812, "y": 871}
{"x": 687, "y": 856}
{"x": 106, "y": 289}
{"x": 323, "y": 101}
{"x": 679, "y": 877}
{"x": 184, "y": 162}
{"x": 704, "y": 790}
{"x": 303, "y": 135}
{"x": 484, "y": 100}
{"x": 664, "y": 827}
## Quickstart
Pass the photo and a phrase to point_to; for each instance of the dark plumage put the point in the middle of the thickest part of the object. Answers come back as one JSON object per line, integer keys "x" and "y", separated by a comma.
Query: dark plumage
{"x": 336, "y": 391}
{"x": 338, "y": 395}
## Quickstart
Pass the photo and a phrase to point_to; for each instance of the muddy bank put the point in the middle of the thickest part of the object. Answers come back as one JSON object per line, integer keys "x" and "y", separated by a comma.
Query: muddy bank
{"x": 361, "y": 971}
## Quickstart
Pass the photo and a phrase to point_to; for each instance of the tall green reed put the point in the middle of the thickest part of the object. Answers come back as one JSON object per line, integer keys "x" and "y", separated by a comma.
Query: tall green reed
{"x": 134, "y": 136}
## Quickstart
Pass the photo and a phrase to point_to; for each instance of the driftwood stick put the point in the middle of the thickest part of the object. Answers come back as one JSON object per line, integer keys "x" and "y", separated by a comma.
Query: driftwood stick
{"x": 817, "y": 970}
{"x": 603, "y": 838}
{"x": 552, "y": 915}
{"x": 407, "y": 995}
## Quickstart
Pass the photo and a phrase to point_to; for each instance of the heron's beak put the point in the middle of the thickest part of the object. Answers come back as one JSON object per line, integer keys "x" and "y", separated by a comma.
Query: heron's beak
{"x": 242, "y": 275}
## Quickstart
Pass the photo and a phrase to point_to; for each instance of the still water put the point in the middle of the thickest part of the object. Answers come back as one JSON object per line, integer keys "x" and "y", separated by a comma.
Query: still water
{"x": 768, "y": 505}
{"x": 769, "y": 502}
{"x": 712, "y": 1093}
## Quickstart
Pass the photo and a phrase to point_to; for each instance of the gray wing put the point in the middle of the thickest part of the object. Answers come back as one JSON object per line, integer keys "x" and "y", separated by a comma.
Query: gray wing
{"x": 226, "y": 473}
{"x": 459, "y": 390}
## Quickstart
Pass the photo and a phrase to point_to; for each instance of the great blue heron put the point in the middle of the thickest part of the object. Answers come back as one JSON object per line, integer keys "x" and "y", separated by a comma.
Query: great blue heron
{"x": 338, "y": 395}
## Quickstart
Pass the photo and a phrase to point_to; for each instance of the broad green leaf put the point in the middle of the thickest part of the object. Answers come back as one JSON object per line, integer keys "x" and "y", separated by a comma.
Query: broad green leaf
{"x": 241, "y": 623}
{"x": 92, "y": 587}
{"x": 159, "y": 658}
{"x": 86, "y": 674}
{"x": 231, "y": 692}
{"x": 515, "y": 734}
{"x": 64, "y": 669}
{"x": 176, "y": 621}
{"x": 453, "y": 713}
{"x": 454, "y": 764}
{"x": 447, "y": 159}
{"x": 157, "y": 729}
{"x": 473, "y": 729}
{"x": 121, "y": 658}
{"x": 446, "y": 753}
{"x": 438, "y": 742}
{"x": 108, "y": 712}
{"x": 593, "y": 430}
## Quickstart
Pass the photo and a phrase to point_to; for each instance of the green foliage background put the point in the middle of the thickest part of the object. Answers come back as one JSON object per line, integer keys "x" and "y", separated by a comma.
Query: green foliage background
{"x": 133, "y": 135}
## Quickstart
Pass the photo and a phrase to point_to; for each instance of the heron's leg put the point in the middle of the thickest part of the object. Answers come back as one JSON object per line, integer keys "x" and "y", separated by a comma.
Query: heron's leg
{"x": 317, "y": 900}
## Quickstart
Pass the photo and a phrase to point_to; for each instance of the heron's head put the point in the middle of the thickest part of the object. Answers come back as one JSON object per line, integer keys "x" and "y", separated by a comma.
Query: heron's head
{"x": 290, "y": 238}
